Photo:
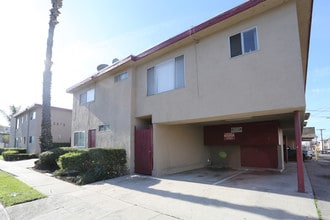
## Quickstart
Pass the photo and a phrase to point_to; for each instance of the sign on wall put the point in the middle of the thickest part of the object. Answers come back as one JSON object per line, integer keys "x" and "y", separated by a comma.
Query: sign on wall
{"x": 228, "y": 136}
{"x": 236, "y": 129}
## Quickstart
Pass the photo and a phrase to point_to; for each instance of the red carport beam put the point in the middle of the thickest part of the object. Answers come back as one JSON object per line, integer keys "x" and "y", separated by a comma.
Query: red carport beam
{"x": 300, "y": 165}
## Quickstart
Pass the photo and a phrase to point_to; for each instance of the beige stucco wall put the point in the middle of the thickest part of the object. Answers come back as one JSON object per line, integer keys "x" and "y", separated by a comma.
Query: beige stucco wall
{"x": 112, "y": 106}
{"x": 178, "y": 148}
{"x": 263, "y": 82}
{"x": 35, "y": 131}
{"x": 61, "y": 125}
{"x": 61, "y": 128}
{"x": 27, "y": 128}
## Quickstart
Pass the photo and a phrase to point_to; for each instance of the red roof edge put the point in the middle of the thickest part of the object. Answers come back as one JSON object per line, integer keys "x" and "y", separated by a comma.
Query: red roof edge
{"x": 234, "y": 11}
{"x": 221, "y": 17}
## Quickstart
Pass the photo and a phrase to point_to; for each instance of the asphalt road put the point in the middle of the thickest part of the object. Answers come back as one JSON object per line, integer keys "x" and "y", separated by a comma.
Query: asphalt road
{"x": 319, "y": 174}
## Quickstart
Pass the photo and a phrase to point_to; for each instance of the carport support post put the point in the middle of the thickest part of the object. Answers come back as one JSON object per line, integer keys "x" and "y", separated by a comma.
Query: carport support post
{"x": 300, "y": 167}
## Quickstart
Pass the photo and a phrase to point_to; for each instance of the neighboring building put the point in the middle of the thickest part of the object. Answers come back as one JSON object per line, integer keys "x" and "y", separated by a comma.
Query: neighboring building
{"x": 25, "y": 129}
{"x": 326, "y": 146}
{"x": 4, "y": 135}
{"x": 227, "y": 92}
{"x": 308, "y": 135}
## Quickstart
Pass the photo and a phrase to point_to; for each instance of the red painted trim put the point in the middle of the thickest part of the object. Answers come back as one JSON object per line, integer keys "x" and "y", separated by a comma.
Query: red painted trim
{"x": 230, "y": 13}
{"x": 234, "y": 11}
{"x": 300, "y": 165}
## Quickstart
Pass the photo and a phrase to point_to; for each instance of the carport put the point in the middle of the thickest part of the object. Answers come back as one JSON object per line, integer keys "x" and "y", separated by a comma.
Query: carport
{"x": 254, "y": 142}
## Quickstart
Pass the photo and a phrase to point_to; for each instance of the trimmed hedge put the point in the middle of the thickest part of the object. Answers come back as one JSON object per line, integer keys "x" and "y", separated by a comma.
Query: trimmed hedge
{"x": 14, "y": 155}
{"x": 78, "y": 161}
{"x": 20, "y": 150}
{"x": 58, "y": 145}
{"x": 93, "y": 165}
{"x": 48, "y": 159}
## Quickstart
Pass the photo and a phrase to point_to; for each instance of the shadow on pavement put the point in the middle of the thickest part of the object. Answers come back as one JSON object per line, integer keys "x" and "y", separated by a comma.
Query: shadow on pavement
{"x": 247, "y": 181}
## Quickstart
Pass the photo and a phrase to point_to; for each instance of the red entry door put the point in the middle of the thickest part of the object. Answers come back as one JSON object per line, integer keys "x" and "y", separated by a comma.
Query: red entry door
{"x": 91, "y": 138}
{"x": 143, "y": 151}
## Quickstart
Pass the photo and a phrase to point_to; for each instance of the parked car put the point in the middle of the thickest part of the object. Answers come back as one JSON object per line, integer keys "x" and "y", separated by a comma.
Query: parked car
{"x": 292, "y": 155}
{"x": 308, "y": 154}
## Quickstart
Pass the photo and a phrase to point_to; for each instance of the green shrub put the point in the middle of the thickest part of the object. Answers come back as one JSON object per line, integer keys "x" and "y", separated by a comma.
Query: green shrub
{"x": 111, "y": 162}
{"x": 93, "y": 165}
{"x": 14, "y": 155}
{"x": 20, "y": 150}
{"x": 7, "y": 152}
{"x": 48, "y": 159}
{"x": 75, "y": 161}
{"x": 58, "y": 145}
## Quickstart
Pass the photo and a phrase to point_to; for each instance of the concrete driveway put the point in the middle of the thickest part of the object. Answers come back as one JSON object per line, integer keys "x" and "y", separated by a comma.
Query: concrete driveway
{"x": 198, "y": 194}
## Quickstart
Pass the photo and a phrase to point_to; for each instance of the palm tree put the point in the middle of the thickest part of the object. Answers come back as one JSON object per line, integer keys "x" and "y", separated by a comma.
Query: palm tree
{"x": 13, "y": 110}
{"x": 46, "y": 139}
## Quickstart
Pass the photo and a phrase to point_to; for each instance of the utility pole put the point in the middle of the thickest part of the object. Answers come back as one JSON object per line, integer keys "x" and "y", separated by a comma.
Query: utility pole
{"x": 321, "y": 130}
{"x": 316, "y": 152}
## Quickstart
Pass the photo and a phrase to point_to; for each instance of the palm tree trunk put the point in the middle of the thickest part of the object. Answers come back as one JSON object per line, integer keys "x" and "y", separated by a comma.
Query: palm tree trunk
{"x": 46, "y": 139}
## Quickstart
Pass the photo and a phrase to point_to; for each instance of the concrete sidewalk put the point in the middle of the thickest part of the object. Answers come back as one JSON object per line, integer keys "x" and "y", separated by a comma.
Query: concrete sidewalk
{"x": 239, "y": 195}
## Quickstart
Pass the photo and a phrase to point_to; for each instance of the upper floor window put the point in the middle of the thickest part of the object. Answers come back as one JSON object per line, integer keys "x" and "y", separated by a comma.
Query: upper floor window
{"x": 166, "y": 76}
{"x": 33, "y": 115}
{"x": 244, "y": 42}
{"x": 121, "y": 76}
{"x": 17, "y": 123}
{"x": 87, "y": 96}
{"x": 104, "y": 128}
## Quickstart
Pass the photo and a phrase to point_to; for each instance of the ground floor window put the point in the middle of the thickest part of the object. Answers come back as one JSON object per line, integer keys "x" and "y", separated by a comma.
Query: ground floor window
{"x": 31, "y": 139}
{"x": 79, "y": 139}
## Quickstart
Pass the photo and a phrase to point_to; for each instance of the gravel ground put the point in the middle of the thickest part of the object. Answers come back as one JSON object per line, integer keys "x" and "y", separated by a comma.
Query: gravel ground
{"x": 319, "y": 174}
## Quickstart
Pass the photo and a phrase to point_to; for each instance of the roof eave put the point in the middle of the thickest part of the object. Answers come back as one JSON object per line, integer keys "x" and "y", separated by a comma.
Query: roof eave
{"x": 215, "y": 20}
{"x": 166, "y": 44}
{"x": 101, "y": 73}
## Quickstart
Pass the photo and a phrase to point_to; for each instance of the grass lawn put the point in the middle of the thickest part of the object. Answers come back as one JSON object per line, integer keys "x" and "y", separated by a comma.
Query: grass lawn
{"x": 13, "y": 191}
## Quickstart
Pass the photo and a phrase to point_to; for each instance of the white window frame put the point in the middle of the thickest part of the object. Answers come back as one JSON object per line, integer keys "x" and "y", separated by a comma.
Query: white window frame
{"x": 105, "y": 127}
{"x": 78, "y": 144}
{"x": 89, "y": 94}
{"x": 33, "y": 115}
{"x": 166, "y": 73}
{"x": 242, "y": 42}
{"x": 121, "y": 76}
{"x": 17, "y": 123}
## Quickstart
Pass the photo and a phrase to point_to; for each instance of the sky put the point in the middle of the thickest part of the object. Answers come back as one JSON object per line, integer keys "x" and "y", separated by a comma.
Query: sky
{"x": 92, "y": 32}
